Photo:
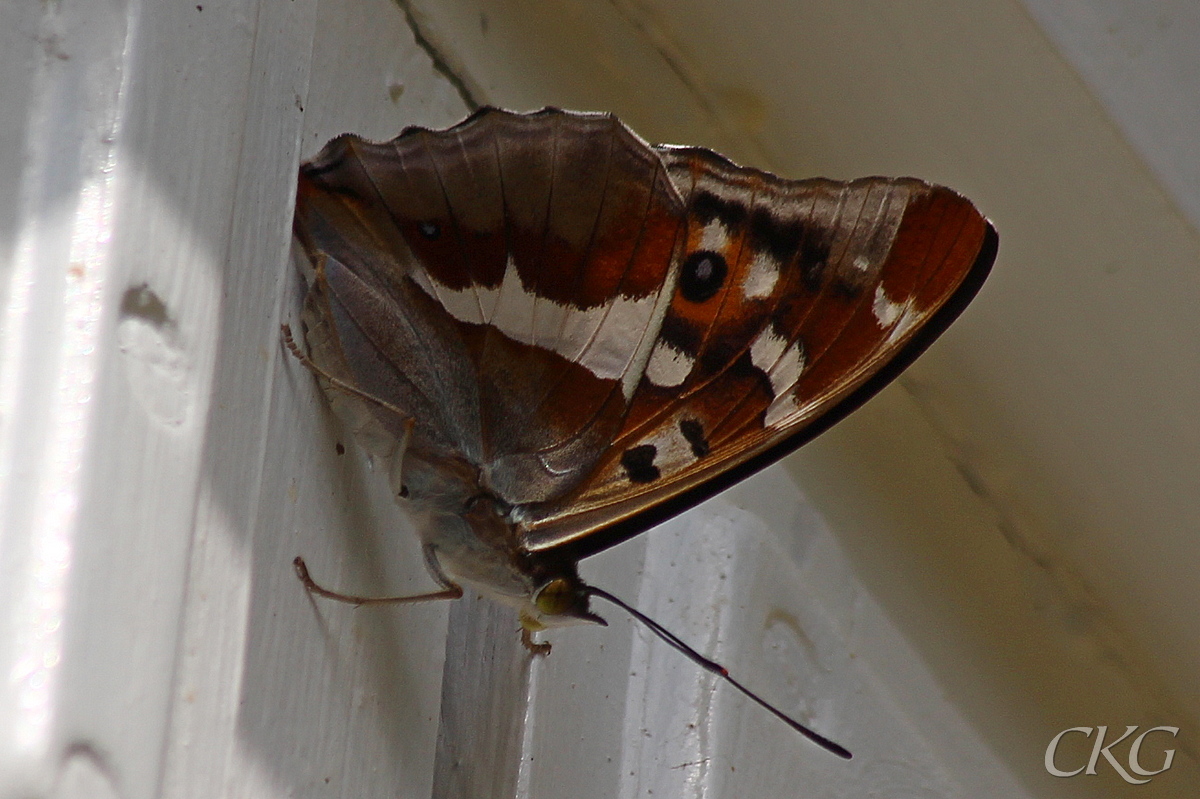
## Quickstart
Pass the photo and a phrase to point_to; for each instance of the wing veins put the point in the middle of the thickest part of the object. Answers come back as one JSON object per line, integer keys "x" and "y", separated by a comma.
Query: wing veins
{"x": 579, "y": 277}
{"x": 426, "y": 352}
{"x": 462, "y": 245}
{"x": 641, "y": 231}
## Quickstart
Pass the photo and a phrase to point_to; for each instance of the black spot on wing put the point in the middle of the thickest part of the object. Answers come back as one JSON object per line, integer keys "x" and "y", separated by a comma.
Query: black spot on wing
{"x": 702, "y": 275}
{"x": 693, "y": 431}
{"x": 847, "y": 288}
{"x": 707, "y": 207}
{"x": 814, "y": 254}
{"x": 720, "y": 350}
{"x": 742, "y": 368}
{"x": 681, "y": 334}
{"x": 780, "y": 238}
{"x": 638, "y": 463}
{"x": 792, "y": 242}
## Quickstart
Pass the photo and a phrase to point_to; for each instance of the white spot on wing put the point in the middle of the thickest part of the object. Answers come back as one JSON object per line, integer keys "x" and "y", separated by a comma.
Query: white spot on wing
{"x": 895, "y": 317}
{"x": 714, "y": 237}
{"x": 761, "y": 277}
{"x": 766, "y": 349}
{"x": 782, "y": 363}
{"x": 780, "y": 410}
{"x": 668, "y": 366}
{"x": 788, "y": 368}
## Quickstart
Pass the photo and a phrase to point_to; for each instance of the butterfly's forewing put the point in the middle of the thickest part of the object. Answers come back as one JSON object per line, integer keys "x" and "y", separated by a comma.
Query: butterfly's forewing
{"x": 797, "y": 300}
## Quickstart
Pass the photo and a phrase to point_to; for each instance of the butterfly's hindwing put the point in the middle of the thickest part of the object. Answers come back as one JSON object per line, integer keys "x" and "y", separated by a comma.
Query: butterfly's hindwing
{"x": 547, "y": 241}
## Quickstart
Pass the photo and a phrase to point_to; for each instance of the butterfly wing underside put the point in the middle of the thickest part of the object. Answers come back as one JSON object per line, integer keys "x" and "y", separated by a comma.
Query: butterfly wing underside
{"x": 601, "y": 333}
{"x": 827, "y": 291}
{"x": 500, "y": 282}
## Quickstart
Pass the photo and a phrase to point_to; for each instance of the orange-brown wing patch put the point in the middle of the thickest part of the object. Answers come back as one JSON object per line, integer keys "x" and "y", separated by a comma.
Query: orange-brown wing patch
{"x": 826, "y": 286}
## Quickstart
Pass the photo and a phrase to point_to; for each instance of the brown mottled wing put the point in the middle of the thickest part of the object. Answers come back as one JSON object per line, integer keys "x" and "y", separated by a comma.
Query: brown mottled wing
{"x": 796, "y": 301}
{"x": 601, "y": 333}
{"x": 501, "y": 281}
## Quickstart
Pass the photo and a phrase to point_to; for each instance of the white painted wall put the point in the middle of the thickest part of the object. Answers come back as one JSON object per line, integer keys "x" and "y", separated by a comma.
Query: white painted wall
{"x": 1000, "y": 547}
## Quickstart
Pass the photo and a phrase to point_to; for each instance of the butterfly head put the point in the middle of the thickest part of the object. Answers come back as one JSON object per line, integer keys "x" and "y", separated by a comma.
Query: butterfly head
{"x": 557, "y": 602}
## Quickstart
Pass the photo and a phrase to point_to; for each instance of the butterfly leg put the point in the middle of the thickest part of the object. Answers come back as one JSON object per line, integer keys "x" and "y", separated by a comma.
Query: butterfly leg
{"x": 396, "y": 473}
{"x": 527, "y": 641}
{"x": 335, "y": 381}
{"x": 409, "y": 422}
{"x": 449, "y": 590}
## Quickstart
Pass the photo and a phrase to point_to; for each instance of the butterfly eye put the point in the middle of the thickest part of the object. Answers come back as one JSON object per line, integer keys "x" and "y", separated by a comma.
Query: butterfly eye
{"x": 430, "y": 230}
{"x": 556, "y": 597}
{"x": 702, "y": 275}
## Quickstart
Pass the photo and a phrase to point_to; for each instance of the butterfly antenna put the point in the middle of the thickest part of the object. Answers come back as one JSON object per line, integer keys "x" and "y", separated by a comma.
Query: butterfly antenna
{"x": 720, "y": 671}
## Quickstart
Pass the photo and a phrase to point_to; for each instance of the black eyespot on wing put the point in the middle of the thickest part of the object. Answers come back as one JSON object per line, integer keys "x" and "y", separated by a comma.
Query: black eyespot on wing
{"x": 430, "y": 229}
{"x": 341, "y": 450}
{"x": 702, "y": 275}
{"x": 693, "y": 431}
{"x": 403, "y": 492}
{"x": 639, "y": 463}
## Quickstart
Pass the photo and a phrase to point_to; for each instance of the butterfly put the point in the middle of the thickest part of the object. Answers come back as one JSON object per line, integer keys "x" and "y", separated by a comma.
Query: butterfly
{"x": 555, "y": 335}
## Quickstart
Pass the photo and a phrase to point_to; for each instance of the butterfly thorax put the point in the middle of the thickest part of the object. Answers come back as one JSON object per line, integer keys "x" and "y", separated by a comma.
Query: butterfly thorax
{"x": 479, "y": 545}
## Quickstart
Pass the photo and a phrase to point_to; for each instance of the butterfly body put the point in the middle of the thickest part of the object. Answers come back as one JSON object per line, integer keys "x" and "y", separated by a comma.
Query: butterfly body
{"x": 558, "y": 335}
